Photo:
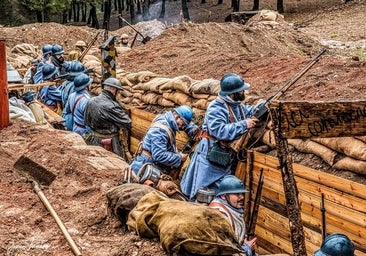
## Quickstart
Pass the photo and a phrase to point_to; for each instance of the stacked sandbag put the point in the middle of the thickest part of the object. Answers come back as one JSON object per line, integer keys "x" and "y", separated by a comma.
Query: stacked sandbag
{"x": 341, "y": 153}
{"x": 147, "y": 88}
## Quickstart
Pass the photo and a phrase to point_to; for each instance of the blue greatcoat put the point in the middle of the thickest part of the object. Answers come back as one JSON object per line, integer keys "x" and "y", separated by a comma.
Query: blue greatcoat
{"x": 50, "y": 95}
{"x": 200, "y": 172}
{"x": 157, "y": 142}
{"x": 77, "y": 111}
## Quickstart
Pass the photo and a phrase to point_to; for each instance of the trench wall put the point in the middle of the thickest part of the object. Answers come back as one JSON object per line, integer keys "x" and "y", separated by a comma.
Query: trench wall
{"x": 344, "y": 203}
{"x": 344, "y": 200}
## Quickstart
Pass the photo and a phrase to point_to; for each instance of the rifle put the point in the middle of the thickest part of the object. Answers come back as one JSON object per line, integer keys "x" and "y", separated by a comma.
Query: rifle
{"x": 322, "y": 209}
{"x": 261, "y": 108}
{"x": 257, "y": 200}
{"x": 145, "y": 39}
{"x": 188, "y": 147}
{"x": 82, "y": 55}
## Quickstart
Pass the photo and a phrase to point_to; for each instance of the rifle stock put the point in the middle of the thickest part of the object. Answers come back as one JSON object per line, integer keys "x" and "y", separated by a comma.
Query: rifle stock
{"x": 82, "y": 55}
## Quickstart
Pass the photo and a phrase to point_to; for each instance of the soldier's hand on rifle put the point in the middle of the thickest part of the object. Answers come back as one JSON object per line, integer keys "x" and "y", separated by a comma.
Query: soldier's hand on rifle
{"x": 184, "y": 156}
{"x": 251, "y": 122}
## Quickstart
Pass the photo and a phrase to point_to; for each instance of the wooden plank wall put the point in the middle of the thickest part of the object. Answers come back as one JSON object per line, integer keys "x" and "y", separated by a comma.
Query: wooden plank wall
{"x": 344, "y": 200}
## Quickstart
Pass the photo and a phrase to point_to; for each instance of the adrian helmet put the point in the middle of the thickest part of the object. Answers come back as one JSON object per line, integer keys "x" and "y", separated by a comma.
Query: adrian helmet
{"x": 48, "y": 71}
{"x": 57, "y": 49}
{"x": 124, "y": 36}
{"x": 336, "y": 244}
{"x": 46, "y": 49}
{"x": 82, "y": 81}
{"x": 230, "y": 184}
{"x": 76, "y": 68}
{"x": 80, "y": 43}
{"x": 232, "y": 83}
{"x": 29, "y": 96}
{"x": 185, "y": 112}
{"x": 114, "y": 82}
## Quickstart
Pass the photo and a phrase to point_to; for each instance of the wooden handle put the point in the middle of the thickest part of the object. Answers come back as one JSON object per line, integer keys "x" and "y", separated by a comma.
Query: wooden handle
{"x": 47, "y": 204}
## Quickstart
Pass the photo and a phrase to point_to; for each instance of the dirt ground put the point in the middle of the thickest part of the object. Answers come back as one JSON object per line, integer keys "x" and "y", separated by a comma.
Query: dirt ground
{"x": 265, "y": 54}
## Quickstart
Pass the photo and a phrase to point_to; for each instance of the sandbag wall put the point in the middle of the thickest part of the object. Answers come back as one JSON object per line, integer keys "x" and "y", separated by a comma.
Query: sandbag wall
{"x": 344, "y": 203}
{"x": 341, "y": 153}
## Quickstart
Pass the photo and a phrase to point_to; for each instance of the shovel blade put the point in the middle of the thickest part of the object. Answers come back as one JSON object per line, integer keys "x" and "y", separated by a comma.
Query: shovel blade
{"x": 146, "y": 39}
{"x": 34, "y": 171}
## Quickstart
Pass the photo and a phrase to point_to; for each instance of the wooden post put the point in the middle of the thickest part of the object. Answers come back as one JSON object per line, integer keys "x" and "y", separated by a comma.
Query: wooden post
{"x": 290, "y": 188}
{"x": 4, "y": 98}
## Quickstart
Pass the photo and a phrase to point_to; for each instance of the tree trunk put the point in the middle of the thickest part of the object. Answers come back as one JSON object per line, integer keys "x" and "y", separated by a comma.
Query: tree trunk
{"x": 162, "y": 12}
{"x": 185, "y": 10}
{"x": 255, "y": 5}
{"x": 280, "y": 7}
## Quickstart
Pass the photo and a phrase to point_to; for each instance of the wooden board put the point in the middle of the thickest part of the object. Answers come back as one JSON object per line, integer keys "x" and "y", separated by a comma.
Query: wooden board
{"x": 320, "y": 119}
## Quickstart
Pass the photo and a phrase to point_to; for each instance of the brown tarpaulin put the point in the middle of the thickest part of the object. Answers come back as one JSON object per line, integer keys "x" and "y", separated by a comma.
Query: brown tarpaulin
{"x": 183, "y": 226}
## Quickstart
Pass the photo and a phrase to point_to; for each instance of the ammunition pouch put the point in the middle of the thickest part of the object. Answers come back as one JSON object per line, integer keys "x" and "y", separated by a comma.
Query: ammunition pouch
{"x": 107, "y": 144}
{"x": 219, "y": 155}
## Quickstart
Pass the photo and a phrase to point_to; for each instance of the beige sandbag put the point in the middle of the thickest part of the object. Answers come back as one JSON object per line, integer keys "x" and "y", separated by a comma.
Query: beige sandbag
{"x": 352, "y": 165}
{"x": 125, "y": 81}
{"x": 347, "y": 145}
{"x": 27, "y": 49}
{"x": 138, "y": 95}
{"x": 153, "y": 85}
{"x": 179, "y": 83}
{"x": 166, "y": 103}
{"x": 361, "y": 138}
{"x": 151, "y": 98}
{"x": 268, "y": 138}
{"x": 211, "y": 98}
{"x": 20, "y": 61}
{"x": 200, "y": 95}
{"x": 94, "y": 64}
{"x": 312, "y": 147}
{"x": 200, "y": 104}
{"x": 179, "y": 98}
{"x": 89, "y": 57}
{"x": 205, "y": 86}
{"x": 141, "y": 77}
{"x": 183, "y": 226}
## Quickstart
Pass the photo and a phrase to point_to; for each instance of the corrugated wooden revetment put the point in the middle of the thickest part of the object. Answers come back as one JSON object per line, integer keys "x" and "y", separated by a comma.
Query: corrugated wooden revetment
{"x": 344, "y": 200}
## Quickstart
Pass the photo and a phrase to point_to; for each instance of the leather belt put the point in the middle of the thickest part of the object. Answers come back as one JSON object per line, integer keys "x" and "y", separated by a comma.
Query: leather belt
{"x": 206, "y": 135}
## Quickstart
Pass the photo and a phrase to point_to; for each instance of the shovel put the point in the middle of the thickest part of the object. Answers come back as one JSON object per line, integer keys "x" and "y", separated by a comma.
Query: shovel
{"x": 145, "y": 39}
{"x": 38, "y": 174}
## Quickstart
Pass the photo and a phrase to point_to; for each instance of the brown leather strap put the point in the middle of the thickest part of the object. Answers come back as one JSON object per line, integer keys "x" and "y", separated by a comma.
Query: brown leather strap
{"x": 159, "y": 125}
{"x": 227, "y": 211}
{"x": 204, "y": 134}
{"x": 147, "y": 153}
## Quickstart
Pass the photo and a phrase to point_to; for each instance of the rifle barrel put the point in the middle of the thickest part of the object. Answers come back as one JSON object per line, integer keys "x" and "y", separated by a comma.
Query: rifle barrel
{"x": 297, "y": 76}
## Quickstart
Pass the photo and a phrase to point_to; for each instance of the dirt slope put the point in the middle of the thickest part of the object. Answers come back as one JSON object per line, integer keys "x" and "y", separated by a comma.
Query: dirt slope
{"x": 266, "y": 55}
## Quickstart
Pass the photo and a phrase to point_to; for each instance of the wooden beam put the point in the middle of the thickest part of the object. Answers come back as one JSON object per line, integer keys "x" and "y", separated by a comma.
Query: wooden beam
{"x": 321, "y": 119}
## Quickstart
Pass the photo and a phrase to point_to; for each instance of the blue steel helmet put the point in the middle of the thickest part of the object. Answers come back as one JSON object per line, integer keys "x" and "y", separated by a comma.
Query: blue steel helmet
{"x": 231, "y": 185}
{"x": 48, "y": 71}
{"x": 186, "y": 113}
{"x": 232, "y": 83}
{"x": 76, "y": 68}
{"x": 82, "y": 81}
{"x": 46, "y": 49}
{"x": 57, "y": 49}
{"x": 29, "y": 96}
{"x": 336, "y": 244}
